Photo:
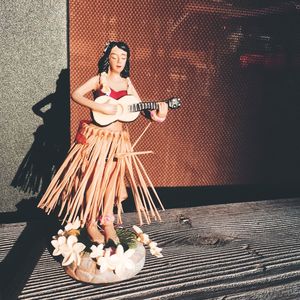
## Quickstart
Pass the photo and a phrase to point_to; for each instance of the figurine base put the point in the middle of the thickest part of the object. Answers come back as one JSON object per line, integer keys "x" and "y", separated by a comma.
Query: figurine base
{"x": 89, "y": 272}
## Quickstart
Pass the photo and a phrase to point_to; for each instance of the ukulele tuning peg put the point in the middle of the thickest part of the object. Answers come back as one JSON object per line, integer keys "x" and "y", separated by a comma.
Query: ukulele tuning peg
{"x": 173, "y": 102}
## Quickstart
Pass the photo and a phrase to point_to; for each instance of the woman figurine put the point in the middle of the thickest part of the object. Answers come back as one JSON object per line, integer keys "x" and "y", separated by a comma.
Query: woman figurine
{"x": 91, "y": 181}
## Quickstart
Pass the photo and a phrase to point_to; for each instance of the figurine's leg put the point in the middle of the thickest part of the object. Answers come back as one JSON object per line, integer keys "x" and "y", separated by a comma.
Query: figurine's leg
{"x": 94, "y": 233}
{"x": 109, "y": 201}
{"x": 92, "y": 229}
{"x": 110, "y": 232}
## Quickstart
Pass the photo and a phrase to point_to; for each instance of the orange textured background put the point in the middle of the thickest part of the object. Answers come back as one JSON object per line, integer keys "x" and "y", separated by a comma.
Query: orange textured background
{"x": 216, "y": 137}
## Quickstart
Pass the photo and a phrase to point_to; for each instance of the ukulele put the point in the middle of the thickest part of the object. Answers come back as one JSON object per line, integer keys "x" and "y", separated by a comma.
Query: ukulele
{"x": 128, "y": 108}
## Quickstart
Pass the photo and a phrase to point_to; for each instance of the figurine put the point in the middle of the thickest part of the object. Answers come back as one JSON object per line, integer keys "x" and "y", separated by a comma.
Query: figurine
{"x": 91, "y": 180}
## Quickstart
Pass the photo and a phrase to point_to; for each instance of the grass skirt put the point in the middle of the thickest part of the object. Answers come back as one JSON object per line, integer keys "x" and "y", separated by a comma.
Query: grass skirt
{"x": 92, "y": 178}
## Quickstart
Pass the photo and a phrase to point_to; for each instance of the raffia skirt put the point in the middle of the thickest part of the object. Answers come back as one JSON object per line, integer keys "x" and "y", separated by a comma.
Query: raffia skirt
{"x": 92, "y": 178}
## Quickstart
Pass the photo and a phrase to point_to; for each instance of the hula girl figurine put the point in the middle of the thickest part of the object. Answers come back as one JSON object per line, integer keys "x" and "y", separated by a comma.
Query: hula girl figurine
{"x": 91, "y": 181}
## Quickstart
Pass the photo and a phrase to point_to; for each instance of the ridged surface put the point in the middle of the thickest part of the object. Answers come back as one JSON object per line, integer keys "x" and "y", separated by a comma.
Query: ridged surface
{"x": 233, "y": 251}
{"x": 225, "y": 132}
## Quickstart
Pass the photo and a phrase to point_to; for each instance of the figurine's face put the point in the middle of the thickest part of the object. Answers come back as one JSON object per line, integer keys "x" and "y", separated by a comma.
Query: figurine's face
{"x": 117, "y": 59}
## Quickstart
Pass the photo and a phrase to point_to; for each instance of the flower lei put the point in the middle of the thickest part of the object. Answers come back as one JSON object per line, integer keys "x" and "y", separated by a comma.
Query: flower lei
{"x": 66, "y": 243}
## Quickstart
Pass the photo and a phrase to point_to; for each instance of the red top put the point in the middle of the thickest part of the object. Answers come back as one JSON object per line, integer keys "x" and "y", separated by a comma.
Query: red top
{"x": 113, "y": 94}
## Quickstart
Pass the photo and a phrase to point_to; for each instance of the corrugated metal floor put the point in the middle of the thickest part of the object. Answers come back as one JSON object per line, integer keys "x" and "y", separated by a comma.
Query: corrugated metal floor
{"x": 232, "y": 251}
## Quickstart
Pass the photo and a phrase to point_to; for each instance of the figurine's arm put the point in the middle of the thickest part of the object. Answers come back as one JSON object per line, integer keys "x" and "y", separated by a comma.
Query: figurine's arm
{"x": 92, "y": 84}
{"x": 158, "y": 115}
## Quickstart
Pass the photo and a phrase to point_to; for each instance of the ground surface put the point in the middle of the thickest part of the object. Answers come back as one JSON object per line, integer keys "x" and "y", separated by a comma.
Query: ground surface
{"x": 232, "y": 251}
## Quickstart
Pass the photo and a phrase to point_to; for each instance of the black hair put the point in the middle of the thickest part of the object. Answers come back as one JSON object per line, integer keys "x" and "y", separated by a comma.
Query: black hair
{"x": 103, "y": 63}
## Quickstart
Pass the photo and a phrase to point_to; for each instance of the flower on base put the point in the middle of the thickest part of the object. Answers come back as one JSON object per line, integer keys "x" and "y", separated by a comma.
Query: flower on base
{"x": 69, "y": 248}
{"x": 66, "y": 243}
{"x": 74, "y": 225}
{"x": 104, "y": 261}
{"x": 97, "y": 251}
{"x": 144, "y": 238}
{"x": 154, "y": 250}
{"x": 70, "y": 229}
{"x": 137, "y": 229}
{"x": 121, "y": 261}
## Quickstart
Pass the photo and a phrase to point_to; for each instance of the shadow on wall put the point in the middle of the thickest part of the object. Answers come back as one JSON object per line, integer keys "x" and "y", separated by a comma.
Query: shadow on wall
{"x": 51, "y": 143}
{"x": 51, "y": 139}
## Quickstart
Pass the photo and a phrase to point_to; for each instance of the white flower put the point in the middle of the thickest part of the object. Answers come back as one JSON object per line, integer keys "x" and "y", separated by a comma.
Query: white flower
{"x": 97, "y": 251}
{"x": 104, "y": 261}
{"x": 152, "y": 244}
{"x": 121, "y": 260}
{"x": 74, "y": 225}
{"x": 58, "y": 244}
{"x": 144, "y": 238}
{"x": 154, "y": 250}
{"x": 137, "y": 229}
{"x": 59, "y": 233}
{"x": 69, "y": 248}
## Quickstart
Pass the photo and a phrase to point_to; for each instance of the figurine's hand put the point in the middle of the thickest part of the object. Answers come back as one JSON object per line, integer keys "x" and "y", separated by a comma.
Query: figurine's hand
{"x": 162, "y": 110}
{"x": 109, "y": 109}
{"x": 160, "y": 114}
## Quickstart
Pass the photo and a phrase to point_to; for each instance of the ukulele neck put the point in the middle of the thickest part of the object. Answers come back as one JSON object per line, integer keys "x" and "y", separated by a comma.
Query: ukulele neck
{"x": 143, "y": 106}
